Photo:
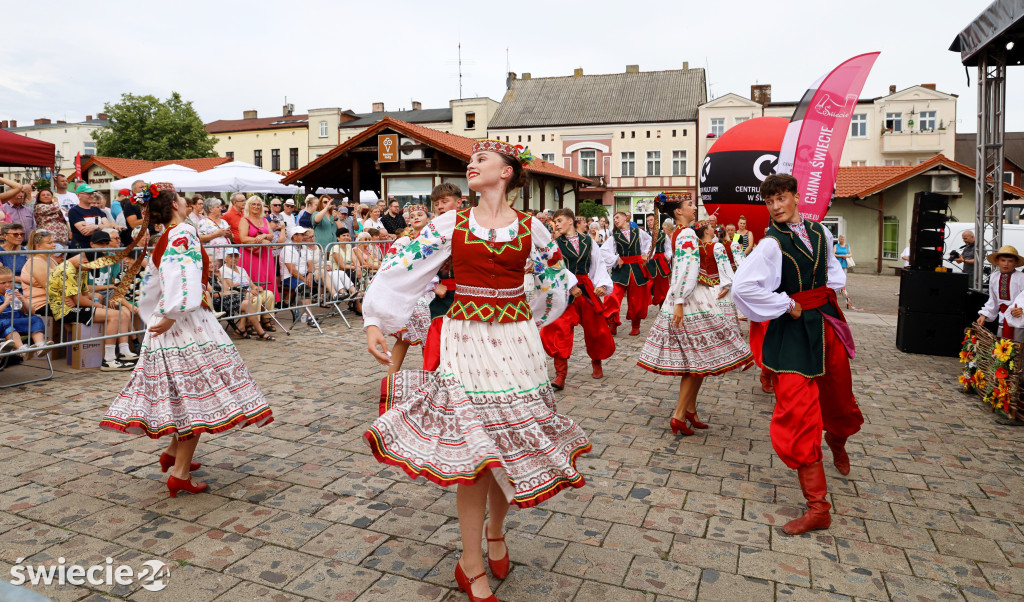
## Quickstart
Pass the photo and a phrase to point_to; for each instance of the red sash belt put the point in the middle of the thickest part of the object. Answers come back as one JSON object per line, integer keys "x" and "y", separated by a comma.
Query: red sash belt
{"x": 823, "y": 295}
{"x": 662, "y": 262}
{"x": 1007, "y": 329}
{"x": 639, "y": 260}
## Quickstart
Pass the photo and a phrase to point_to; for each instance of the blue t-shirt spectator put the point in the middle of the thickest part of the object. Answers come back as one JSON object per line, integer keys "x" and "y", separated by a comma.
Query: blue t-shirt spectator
{"x": 14, "y": 262}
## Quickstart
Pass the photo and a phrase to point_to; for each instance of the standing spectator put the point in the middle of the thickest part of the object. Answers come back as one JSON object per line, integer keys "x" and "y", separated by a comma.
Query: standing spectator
{"x": 133, "y": 212}
{"x": 17, "y": 212}
{"x": 289, "y": 218}
{"x": 746, "y": 237}
{"x": 235, "y": 213}
{"x": 844, "y": 255}
{"x": 36, "y": 272}
{"x": 254, "y": 229}
{"x": 966, "y": 258}
{"x": 322, "y": 225}
{"x": 117, "y": 207}
{"x": 65, "y": 199}
{"x": 905, "y": 256}
{"x": 195, "y": 211}
{"x": 49, "y": 217}
{"x": 85, "y": 218}
{"x": 214, "y": 230}
{"x": 309, "y": 200}
{"x": 374, "y": 221}
{"x": 100, "y": 202}
{"x": 393, "y": 221}
{"x": 606, "y": 231}
{"x": 345, "y": 220}
{"x": 13, "y": 235}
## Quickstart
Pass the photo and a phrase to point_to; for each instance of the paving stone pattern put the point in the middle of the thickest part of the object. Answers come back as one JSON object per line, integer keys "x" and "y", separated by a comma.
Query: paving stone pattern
{"x": 299, "y": 510}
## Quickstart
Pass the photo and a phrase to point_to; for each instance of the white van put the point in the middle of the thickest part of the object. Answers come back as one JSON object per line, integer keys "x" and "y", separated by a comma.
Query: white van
{"x": 1013, "y": 234}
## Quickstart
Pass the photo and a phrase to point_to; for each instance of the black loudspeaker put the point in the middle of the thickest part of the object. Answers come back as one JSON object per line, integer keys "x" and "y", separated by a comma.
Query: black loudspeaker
{"x": 934, "y": 292}
{"x": 930, "y": 333}
{"x": 928, "y": 230}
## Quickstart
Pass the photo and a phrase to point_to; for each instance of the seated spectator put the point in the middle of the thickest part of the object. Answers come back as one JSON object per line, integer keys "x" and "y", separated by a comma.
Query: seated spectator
{"x": 133, "y": 212}
{"x": 36, "y": 272}
{"x": 50, "y": 217}
{"x": 296, "y": 266}
{"x": 254, "y": 298}
{"x": 344, "y": 272}
{"x": 105, "y": 279}
{"x": 13, "y": 319}
{"x": 117, "y": 206}
{"x": 13, "y": 235}
{"x": 72, "y": 301}
{"x": 85, "y": 218}
{"x": 368, "y": 257}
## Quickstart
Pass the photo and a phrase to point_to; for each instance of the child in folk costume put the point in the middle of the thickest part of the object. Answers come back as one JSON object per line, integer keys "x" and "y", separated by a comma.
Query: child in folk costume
{"x": 626, "y": 251}
{"x": 658, "y": 264}
{"x": 189, "y": 378}
{"x": 584, "y": 259}
{"x": 690, "y": 337}
{"x": 446, "y": 197}
{"x": 1003, "y": 293}
{"x": 485, "y": 420}
{"x": 415, "y": 330}
{"x": 789, "y": 281}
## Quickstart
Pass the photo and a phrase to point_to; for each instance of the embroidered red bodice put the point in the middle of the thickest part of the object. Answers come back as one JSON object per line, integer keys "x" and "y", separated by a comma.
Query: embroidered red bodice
{"x": 708, "y": 275}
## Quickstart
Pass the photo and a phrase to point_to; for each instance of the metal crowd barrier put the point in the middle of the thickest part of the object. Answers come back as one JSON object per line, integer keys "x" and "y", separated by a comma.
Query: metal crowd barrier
{"x": 328, "y": 278}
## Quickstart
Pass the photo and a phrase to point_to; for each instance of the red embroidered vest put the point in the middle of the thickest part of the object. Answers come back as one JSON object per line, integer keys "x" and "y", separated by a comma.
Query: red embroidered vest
{"x": 708, "y": 275}
{"x": 489, "y": 274}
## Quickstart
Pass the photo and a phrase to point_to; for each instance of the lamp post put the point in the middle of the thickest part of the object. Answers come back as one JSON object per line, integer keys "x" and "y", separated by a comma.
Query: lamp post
{"x": 57, "y": 160}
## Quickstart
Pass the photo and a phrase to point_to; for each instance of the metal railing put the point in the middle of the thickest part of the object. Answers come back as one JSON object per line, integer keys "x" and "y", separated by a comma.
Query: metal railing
{"x": 301, "y": 277}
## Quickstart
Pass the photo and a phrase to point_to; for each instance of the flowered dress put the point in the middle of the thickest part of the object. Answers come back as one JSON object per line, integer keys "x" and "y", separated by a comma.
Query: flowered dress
{"x": 725, "y": 275}
{"x": 415, "y": 330}
{"x": 705, "y": 345}
{"x": 489, "y": 405}
{"x": 190, "y": 379}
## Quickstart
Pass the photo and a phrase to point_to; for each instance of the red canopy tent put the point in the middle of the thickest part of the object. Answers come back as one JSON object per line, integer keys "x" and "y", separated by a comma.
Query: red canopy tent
{"x": 19, "y": 151}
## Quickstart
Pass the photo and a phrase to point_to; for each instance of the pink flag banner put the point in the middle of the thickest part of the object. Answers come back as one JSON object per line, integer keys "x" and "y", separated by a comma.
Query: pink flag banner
{"x": 814, "y": 140}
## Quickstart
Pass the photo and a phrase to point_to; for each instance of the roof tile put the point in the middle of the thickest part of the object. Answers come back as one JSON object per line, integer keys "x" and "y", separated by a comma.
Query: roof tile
{"x": 126, "y": 168}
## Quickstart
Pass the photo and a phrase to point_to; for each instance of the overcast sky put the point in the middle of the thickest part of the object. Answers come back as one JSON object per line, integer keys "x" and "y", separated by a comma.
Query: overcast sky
{"x": 63, "y": 60}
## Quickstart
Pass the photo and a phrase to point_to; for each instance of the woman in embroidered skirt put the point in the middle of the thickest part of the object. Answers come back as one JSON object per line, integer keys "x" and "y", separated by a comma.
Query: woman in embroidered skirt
{"x": 485, "y": 420}
{"x": 415, "y": 330}
{"x": 189, "y": 378}
{"x": 690, "y": 337}
{"x": 726, "y": 271}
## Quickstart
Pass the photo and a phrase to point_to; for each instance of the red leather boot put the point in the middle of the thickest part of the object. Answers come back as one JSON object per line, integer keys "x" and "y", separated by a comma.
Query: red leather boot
{"x": 598, "y": 372}
{"x": 839, "y": 456}
{"x": 812, "y": 482}
{"x": 612, "y": 325}
{"x": 561, "y": 370}
{"x": 636, "y": 327}
{"x": 766, "y": 383}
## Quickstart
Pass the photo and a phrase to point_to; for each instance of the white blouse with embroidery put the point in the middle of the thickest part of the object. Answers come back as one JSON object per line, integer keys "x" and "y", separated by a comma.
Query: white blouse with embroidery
{"x": 725, "y": 274}
{"x": 176, "y": 287}
{"x": 403, "y": 276}
{"x": 685, "y": 270}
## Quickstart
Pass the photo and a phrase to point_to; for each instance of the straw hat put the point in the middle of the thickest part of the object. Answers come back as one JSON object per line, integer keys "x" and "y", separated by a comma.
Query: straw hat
{"x": 1008, "y": 250}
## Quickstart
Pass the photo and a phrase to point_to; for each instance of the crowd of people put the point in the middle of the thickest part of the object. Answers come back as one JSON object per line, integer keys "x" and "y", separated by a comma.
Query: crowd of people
{"x": 266, "y": 255}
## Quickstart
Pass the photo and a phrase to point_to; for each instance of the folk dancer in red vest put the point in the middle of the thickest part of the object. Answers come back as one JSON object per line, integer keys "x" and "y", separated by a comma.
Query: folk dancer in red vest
{"x": 658, "y": 264}
{"x": 626, "y": 251}
{"x": 486, "y": 419}
{"x": 789, "y": 281}
{"x": 189, "y": 379}
{"x": 1003, "y": 291}
{"x": 690, "y": 337}
{"x": 446, "y": 197}
{"x": 584, "y": 259}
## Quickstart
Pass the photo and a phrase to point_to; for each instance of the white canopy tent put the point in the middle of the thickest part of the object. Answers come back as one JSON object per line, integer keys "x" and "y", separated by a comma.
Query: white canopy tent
{"x": 178, "y": 175}
{"x": 237, "y": 176}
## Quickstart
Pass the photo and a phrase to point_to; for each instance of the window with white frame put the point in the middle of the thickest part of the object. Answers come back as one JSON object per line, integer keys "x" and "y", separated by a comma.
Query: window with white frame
{"x": 588, "y": 163}
{"x": 679, "y": 163}
{"x": 323, "y": 129}
{"x": 893, "y": 162}
{"x": 628, "y": 166}
{"x": 549, "y": 157}
{"x": 890, "y": 237}
{"x": 894, "y": 122}
{"x": 653, "y": 163}
{"x": 739, "y": 120}
{"x": 1008, "y": 177}
{"x": 89, "y": 148}
{"x": 859, "y": 125}
{"x": 927, "y": 121}
{"x": 718, "y": 126}
{"x": 859, "y": 163}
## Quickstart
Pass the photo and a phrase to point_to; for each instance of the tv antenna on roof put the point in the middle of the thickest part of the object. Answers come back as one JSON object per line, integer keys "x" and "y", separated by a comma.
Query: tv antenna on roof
{"x": 460, "y": 69}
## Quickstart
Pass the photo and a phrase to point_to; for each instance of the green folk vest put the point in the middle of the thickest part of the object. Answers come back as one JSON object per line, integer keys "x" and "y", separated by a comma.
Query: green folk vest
{"x": 798, "y": 346}
{"x": 629, "y": 251}
{"x": 578, "y": 263}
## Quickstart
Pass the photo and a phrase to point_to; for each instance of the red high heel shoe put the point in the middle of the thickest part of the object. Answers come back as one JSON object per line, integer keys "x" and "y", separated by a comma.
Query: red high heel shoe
{"x": 167, "y": 461}
{"x": 692, "y": 418}
{"x": 174, "y": 485}
{"x": 466, "y": 583}
{"x": 499, "y": 568}
{"x": 680, "y": 426}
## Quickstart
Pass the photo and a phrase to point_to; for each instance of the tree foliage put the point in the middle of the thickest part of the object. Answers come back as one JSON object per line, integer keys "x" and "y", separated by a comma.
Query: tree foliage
{"x": 589, "y": 208}
{"x": 144, "y": 127}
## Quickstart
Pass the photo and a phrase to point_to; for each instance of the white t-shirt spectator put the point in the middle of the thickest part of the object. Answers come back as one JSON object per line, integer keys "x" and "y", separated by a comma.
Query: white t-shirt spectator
{"x": 66, "y": 200}
{"x": 905, "y": 255}
{"x": 295, "y": 255}
{"x": 373, "y": 223}
{"x": 237, "y": 276}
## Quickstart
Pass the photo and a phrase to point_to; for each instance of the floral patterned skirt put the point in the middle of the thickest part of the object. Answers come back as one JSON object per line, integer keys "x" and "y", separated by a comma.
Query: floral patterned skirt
{"x": 489, "y": 406}
{"x": 415, "y": 330}
{"x": 707, "y": 343}
{"x": 188, "y": 380}
{"x": 728, "y": 307}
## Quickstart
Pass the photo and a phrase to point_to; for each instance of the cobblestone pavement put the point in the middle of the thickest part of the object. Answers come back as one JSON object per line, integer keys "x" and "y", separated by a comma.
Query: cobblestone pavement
{"x": 300, "y": 510}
